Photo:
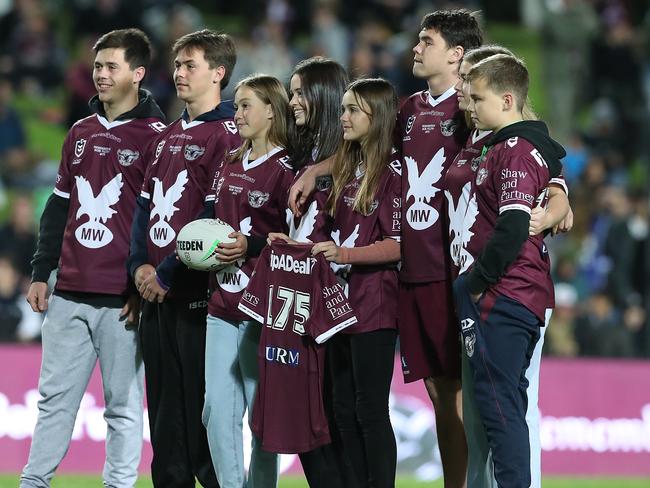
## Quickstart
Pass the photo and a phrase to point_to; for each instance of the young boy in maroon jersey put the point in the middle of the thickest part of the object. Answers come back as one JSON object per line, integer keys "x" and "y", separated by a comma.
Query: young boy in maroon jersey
{"x": 430, "y": 132}
{"x": 84, "y": 232}
{"x": 507, "y": 288}
{"x": 458, "y": 183}
{"x": 172, "y": 327}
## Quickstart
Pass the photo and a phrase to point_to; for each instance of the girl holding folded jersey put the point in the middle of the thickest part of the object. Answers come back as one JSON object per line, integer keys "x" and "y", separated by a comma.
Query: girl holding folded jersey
{"x": 365, "y": 206}
{"x": 250, "y": 191}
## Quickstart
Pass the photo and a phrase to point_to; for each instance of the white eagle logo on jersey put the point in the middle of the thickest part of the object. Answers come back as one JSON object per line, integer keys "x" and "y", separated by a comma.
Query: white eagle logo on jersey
{"x": 420, "y": 215}
{"x": 306, "y": 225}
{"x": 231, "y": 278}
{"x": 94, "y": 234}
{"x": 465, "y": 259}
{"x": 461, "y": 220}
{"x": 161, "y": 232}
{"x": 342, "y": 270}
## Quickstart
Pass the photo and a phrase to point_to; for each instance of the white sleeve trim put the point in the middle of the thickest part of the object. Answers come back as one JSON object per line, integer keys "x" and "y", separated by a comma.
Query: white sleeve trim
{"x": 251, "y": 313}
{"x": 515, "y": 206}
{"x": 60, "y": 193}
{"x": 145, "y": 194}
{"x": 561, "y": 183}
{"x": 338, "y": 327}
{"x": 210, "y": 198}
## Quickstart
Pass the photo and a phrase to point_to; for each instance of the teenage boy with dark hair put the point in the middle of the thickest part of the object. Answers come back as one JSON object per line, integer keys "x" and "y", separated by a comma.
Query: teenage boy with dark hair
{"x": 430, "y": 132}
{"x": 84, "y": 233}
{"x": 502, "y": 298}
{"x": 172, "y": 327}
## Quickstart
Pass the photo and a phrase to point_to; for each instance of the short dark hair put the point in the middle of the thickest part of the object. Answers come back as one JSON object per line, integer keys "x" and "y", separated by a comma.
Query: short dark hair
{"x": 457, "y": 27}
{"x": 218, "y": 50}
{"x": 136, "y": 45}
{"x": 503, "y": 73}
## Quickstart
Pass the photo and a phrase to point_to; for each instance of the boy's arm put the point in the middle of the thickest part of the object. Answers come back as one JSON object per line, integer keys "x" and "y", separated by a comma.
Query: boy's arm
{"x": 306, "y": 184}
{"x": 503, "y": 247}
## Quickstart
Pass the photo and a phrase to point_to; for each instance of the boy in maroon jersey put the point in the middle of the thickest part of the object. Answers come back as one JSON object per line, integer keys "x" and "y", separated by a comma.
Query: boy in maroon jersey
{"x": 84, "y": 232}
{"x": 430, "y": 132}
{"x": 458, "y": 183}
{"x": 506, "y": 289}
{"x": 172, "y": 327}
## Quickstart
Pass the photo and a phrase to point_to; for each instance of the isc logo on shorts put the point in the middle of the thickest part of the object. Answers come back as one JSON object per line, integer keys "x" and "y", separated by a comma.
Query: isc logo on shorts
{"x": 198, "y": 304}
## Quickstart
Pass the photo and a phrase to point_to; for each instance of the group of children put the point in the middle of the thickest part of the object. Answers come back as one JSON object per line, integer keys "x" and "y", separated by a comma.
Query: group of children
{"x": 455, "y": 187}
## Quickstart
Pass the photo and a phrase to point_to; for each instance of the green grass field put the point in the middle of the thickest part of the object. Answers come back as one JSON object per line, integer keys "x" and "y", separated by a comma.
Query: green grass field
{"x": 11, "y": 481}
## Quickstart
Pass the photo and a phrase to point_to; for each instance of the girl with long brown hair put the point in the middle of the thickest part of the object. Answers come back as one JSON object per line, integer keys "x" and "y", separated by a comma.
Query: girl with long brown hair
{"x": 364, "y": 206}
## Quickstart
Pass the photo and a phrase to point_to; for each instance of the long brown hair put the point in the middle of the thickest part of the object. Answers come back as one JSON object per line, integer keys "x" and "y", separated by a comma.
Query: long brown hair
{"x": 380, "y": 98}
{"x": 323, "y": 83}
{"x": 271, "y": 92}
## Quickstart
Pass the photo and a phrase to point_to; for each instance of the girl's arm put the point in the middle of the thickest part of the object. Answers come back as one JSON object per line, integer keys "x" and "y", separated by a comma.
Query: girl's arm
{"x": 381, "y": 252}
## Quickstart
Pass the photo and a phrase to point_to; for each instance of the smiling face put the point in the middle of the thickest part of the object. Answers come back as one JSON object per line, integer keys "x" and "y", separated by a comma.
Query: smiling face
{"x": 253, "y": 116}
{"x": 355, "y": 118}
{"x": 113, "y": 77}
{"x": 297, "y": 102}
{"x": 432, "y": 56}
{"x": 193, "y": 77}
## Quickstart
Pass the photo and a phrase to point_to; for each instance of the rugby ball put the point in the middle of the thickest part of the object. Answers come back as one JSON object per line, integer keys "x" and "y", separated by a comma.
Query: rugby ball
{"x": 197, "y": 243}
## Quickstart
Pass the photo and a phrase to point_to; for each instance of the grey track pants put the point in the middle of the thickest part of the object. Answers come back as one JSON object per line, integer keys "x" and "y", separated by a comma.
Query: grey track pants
{"x": 75, "y": 336}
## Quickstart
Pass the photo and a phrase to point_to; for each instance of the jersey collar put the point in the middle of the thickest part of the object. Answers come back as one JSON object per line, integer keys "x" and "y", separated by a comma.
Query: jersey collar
{"x": 478, "y": 134}
{"x": 110, "y": 125}
{"x": 440, "y": 98}
{"x": 248, "y": 165}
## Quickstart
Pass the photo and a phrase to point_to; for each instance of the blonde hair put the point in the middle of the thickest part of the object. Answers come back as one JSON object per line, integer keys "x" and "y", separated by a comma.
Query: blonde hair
{"x": 381, "y": 99}
{"x": 503, "y": 73}
{"x": 271, "y": 92}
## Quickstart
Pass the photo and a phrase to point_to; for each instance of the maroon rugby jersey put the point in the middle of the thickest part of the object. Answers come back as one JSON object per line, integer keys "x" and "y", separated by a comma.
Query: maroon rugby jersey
{"x": 512, "y": 176}
{"x": 102, "y": 167}
{"x": 372, "y": 289}
{"x": 300, "y": 304}
{"x": 313, "y": 225}
{"x": 251, "y": 196}
{"x": 180, "y": 177}
{"x": 457, "y": 184}
{"x": 431, "y": 132}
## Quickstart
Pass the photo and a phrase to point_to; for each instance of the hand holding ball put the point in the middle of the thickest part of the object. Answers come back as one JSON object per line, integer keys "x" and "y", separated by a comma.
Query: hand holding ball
{"x": 197, "y": 243}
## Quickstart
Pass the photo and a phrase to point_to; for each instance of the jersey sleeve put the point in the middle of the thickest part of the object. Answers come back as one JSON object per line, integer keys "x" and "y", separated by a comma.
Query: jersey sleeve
{"x": 254, "y": 301}
{"x": 519, "y": 181}
{"x": 560, "y": 182}
{"x": 331, "y": 312}
{"x": 390, "y": 206}
{"x": 63, "y": 185}
{"x": 216, "y": 181}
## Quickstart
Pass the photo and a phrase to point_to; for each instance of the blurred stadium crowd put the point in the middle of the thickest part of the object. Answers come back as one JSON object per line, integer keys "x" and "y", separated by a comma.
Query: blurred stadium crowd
{"x": 593, "y": 76}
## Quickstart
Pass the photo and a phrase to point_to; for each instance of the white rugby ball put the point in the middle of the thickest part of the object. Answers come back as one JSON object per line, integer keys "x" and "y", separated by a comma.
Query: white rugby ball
{"x": 197, "y": 243}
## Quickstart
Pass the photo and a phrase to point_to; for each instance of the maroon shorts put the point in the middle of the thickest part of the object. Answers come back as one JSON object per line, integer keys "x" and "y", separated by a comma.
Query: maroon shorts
{"x": 428, "y": 331}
